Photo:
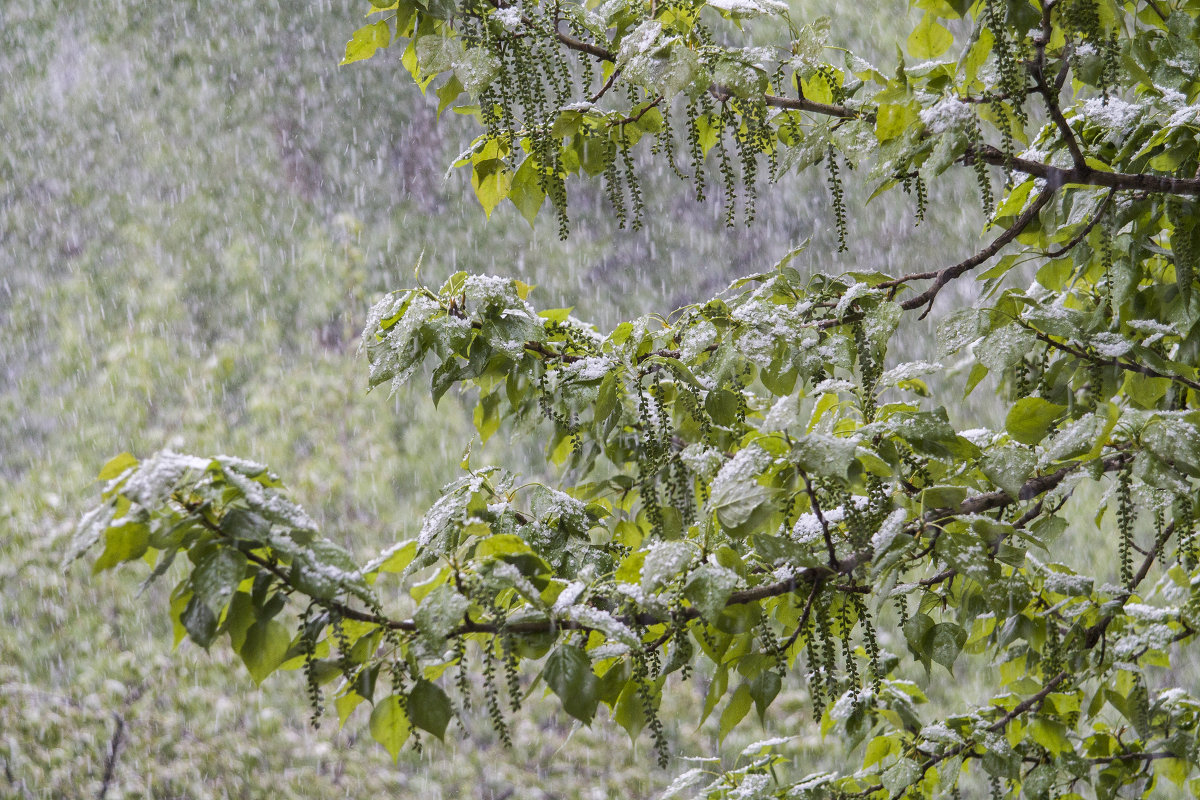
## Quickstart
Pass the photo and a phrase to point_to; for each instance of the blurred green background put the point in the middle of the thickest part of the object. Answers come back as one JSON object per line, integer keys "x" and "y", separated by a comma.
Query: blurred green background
{"x": 197, "y": 207}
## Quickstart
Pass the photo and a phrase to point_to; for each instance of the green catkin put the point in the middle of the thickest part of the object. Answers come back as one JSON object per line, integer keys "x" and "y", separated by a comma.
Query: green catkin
{"x": 308, "y": 642}
{"x": 771, "y": 645}
{"x": 512, "y": 675}
{"x": 1185, "y": 526}
{"x": 858, "y": 527}
{"x": 1021, "y": 379}
{"x": 1000, "y": 111}
{"x": 868, "y": 367}
{"x": 562, "y": 73}
{"x": 901, "y": 609}
{"x": 1111, "y": 53}
{"x": 648, "y": 466}
{"x": 1160, "y": 535}
{"x": 1095, "y": 387}
{"x": 568, "y": 424}
{"x": 983, "y": 178}
{"x": 1043, "y": 383}
{"x": 343, "y": 644}
{"x": 526, "y": 73}
{"x": 995, "y": 788}
{"x": 836, "y": 92}
{"x": 492, "y": 694}
{"x": 635, "y": 190}
{"x": 653, "y": 664}
{"x": 1012, "y": 80}
{"x": 651, "y": 421}
{"x": 461, "y": 679}
{"x": 855, "y": 682}
{"x": 580, "y": 32}
{"x": 815, "y": 683}
{"x": 922, "y": 197}
{"x": 612, "y": 185}
{"x": 558, "y": 194}
{"x": 504, "y": 91}
{"x": 682, "y": 497}
{"x": 1053, "y": 657}
{"x": 642, "y": 678}
{"x": 1106, "y": 260}
{"x": 1139, "y": 699}
{"x": 871, "y": 641}
{"x": 1125, "y": 522}
{"x": 1184, "y": 254}
{"x": 754, "y": 141}
{"x": 664, "y": 142}
{"x": 828, "y": 651}
{"x": 839, "y": 198}
{"x": 728, "y": 176}
{"x": 695, "y": 150}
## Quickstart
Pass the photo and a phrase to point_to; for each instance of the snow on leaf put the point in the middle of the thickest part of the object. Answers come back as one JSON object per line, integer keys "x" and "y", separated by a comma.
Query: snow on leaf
{"x": 604, "y": 622}
{"x": 750, "y": 8}
{"x": 664, "y": 562}
{"x": 684, "y": 781}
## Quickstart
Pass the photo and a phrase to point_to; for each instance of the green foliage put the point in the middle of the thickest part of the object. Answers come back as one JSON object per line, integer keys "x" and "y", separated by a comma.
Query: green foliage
{"x": 742, "y": 484}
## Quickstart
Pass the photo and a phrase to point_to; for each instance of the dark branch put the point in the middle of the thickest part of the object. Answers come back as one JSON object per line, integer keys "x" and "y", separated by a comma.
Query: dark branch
{"x": 1127, "y": 366}
{"x": 944, "y": 276}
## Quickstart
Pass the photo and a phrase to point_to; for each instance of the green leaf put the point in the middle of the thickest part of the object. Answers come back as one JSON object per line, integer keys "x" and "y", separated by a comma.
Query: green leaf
{"x": 736, "y": 709}
{"x": 569, "y": 675}
{"x": 440, "y": 612}
{"x": 199, "y": 621}
{"x": 116, "y": 466}
{"x": 1086, "y": 436}
{"x": 722, "y": 406}
{"x": 946, "y": 641}
{"x": 430, "y": 708}
{"x": 366, "y": 41}
{"x": 216, "y": 577}
{"x": 1030, "y": 419}
{"x": 491, "y": 179}
{"x": 1009, "y": 467}
{"x": 345, "y": 703}
{"x": 824, "y": 456}
{"x": 917, "y": 634}
{"x": 124, "y": 540}
{"x": 709, "y": 588}
{"x": 942, "y": 496}
{"x": 900, "y": 776}
{"x": 389, "y": 724}
{"x": 502, "y": 544}
{"x": 266, "y": 644}
{"x": 526, "y": 193}
{"x": 1005, "y": 347}
{"x": 959, "y": 329}
{"x": 629, "y": 712}
{"x": 929, "y": 39}
{"x": 1050, "y": 734}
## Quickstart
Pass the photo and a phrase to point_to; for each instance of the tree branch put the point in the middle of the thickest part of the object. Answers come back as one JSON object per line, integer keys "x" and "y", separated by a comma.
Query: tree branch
{"x": 1127, "y": 366}
{"x": 1056, "y": 177}
{"x": 1049, "y": 95}
{"x": 944, "y": 276}
{"x": 816, "y": 507}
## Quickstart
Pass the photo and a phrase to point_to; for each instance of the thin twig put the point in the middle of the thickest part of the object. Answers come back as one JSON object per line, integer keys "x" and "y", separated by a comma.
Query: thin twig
{"x": 804, "y": 615}
{"x": 1079, "y": 237}
{"x": 1127, "y": 366}
{"x": 816, "y": 507}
